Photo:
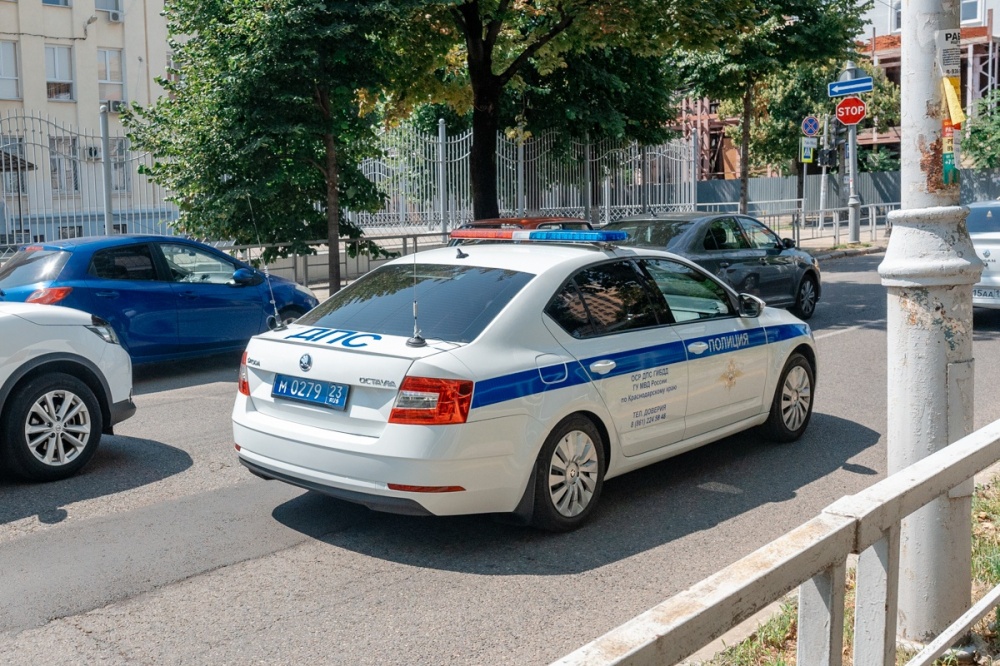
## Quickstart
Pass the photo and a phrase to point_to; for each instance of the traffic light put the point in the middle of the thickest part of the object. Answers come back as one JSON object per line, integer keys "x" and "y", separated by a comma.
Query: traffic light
{"x": 827, "y": 157}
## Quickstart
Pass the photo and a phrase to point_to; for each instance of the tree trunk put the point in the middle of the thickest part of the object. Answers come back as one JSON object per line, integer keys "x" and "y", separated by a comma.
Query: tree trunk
{"x": 745, "y": 148}
{"x": 483, "y": 155}
{"x": 332, "y": 212}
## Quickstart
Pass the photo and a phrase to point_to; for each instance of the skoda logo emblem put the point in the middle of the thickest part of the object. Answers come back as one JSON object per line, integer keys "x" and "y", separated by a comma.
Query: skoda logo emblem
{"x": 306, "y": 362}
{"x": 986, "y": 253}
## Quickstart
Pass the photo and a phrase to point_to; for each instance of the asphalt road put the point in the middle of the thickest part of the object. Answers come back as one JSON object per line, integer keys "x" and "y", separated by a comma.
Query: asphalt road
{"x": 166, "y": 551}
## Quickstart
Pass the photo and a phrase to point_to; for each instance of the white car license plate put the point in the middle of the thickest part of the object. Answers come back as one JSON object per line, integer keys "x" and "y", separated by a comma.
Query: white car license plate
{"x": 986, "y": 293}
{"x": 324, "y": 394}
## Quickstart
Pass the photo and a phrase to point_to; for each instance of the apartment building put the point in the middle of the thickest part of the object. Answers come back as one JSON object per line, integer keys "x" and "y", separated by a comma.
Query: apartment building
{"x": 60, "y": 61}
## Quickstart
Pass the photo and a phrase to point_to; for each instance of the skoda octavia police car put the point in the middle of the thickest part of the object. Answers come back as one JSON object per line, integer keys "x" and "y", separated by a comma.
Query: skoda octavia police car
{"x": 516, "y": 377}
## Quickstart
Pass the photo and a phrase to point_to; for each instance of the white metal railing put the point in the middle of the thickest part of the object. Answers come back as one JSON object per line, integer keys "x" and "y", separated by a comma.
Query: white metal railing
{"x": 813, "y": 557}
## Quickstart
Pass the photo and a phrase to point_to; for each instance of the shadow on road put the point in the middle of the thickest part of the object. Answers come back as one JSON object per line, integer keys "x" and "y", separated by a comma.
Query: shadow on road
{"x": 119, "y": 464}
{"x": 152, "y": 377}
{"x": 639, "y": 511}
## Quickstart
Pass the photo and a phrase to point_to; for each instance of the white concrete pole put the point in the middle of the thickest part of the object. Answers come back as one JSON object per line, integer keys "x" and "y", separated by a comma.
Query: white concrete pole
{"x": 928, "y": 270}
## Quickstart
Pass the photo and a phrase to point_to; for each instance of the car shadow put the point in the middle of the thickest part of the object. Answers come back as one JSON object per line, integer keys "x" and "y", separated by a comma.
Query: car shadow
{"x": 169, "y": 375}
{"x": 119, "y": 464}
{"x": 639, "y": 511}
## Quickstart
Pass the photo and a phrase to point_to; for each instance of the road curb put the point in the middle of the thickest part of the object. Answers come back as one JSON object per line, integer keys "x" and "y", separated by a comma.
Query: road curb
{"x": 850, "y": 252}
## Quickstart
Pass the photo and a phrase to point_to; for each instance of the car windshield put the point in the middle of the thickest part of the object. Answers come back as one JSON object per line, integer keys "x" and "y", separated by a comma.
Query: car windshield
{"x": 983, "y": 219}
{"x": 453, "y": 303}
{"x": 32, "y": 265}
{"x": 656, "y": 233}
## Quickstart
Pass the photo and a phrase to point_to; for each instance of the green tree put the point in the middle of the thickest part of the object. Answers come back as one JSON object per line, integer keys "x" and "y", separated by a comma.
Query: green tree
{"x": 982, "y": 142}
{"x": 466, "y": 53}
{"x": 783, "y": 34}
{"x": 263, "y": 128}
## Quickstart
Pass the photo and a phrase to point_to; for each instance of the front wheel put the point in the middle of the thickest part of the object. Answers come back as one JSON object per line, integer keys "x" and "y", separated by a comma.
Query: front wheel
{"x": 792, "y": 405}
{"x": 805, "y": 298}
{"x": 289, "y": 315}
{"x": 51, "y": 428}
{"x": 569, "y": 475}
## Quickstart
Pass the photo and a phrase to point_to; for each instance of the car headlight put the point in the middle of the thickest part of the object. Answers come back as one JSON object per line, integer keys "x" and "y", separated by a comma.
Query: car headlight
{"x": 104, "y": 330}
{"x": 306, "y": 291}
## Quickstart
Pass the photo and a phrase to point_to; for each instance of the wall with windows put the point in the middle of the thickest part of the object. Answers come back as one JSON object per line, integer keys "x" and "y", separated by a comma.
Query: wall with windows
{"x": 63, "y": 58}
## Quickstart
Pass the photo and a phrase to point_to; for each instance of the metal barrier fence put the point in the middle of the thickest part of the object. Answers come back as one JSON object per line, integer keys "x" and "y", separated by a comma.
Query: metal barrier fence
{"x": 427, "y": 182}
{"x": 813, "y": 558}
{"x": 53, "y": 183}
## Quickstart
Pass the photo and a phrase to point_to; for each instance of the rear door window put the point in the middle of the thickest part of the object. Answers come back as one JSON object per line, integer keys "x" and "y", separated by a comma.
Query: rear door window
{"x": 983, "y": 220}
{"x": 134, "y": 262}
{"x": 453, "y": 303}
{"x": 32, "y": 265}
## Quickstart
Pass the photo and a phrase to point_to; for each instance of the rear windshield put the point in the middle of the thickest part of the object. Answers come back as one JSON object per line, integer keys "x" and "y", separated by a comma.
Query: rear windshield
{"x": 454, "y": 303}
{"x": 662, "y": 233}
{"x": 31, "y": 266}
{"x": 983, "y": 219}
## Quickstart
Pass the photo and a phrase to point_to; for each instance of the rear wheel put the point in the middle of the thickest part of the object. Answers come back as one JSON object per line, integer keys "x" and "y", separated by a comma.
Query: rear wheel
{"x": 792, "y": 405}
{"x": 805, "y": 298}
{"x": 51, "y": 428}
{"x": 569, "y": 475}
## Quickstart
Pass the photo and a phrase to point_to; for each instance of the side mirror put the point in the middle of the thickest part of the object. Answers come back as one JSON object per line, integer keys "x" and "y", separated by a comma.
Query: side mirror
{"x": 788, "y": 243}
{"x": 751, "y": 307}
{"x": 244, "y": 277}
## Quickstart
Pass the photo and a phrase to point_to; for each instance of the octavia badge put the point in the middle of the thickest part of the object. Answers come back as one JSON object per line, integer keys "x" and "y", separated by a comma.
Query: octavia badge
{"x": 306, "y": 362}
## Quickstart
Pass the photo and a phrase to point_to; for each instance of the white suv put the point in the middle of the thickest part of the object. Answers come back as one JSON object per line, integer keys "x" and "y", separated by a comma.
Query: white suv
{"x": 64, "y": 380}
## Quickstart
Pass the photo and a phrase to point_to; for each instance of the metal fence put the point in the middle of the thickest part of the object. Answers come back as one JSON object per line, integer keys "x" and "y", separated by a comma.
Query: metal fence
{"x": 427, "y": 183}
{"x": 53, "y": 183}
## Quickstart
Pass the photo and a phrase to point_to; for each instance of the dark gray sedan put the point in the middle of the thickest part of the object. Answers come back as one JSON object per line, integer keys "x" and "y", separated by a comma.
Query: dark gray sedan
{"x": 738, "y": 249}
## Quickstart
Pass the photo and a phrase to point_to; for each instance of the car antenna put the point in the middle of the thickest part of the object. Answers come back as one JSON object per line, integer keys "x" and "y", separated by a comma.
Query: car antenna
{"x": 417, "y": 340}
{"x": 279, "y": 325}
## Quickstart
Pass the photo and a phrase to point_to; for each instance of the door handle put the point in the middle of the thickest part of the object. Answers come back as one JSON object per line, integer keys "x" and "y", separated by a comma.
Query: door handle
{"x": 106, "y": 294}
{"x": 188, "y": 295}
{"x": 602, "y": 367}
{"x": 697, "y": 347}
{"x": 723, "y": 264}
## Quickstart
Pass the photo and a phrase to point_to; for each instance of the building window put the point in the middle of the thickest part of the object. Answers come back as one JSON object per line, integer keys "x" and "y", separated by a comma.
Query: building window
{"x": 13, "y": 167}
{"x": 121, "y": 175}
{"x": 59, "y": 72}
{"x": 970, "y": 11}
{"x": 57, "y": 3}
{"x": 9, "y": 88}
{"x": 109, "y": 75}
{"x": 64, "y": 164}
{"x": 896, "y": 16}
{"x": 108, "y": 5}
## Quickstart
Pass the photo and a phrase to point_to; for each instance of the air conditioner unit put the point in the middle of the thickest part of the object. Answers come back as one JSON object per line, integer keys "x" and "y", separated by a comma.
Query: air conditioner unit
{"x": 92, "y": 153}
{"x": 115, "y": 17}
{"x": 115, "y": 105}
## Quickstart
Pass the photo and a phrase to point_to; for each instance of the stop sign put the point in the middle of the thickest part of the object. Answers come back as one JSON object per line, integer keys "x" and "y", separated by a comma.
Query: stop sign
{"x": 851, "y": 110}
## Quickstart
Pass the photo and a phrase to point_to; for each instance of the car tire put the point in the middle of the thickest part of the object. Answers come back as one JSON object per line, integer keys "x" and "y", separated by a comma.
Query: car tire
{"x": 56, "y": 447}
{"x": 792, "y": 405}
{"x": 569, "y": 475}
{"x": 805, "y": 298}
{"x": 287, "y": 315}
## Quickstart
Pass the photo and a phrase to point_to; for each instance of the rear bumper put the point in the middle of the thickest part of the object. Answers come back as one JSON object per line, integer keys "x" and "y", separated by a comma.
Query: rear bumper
{"x": 491, "y": 461}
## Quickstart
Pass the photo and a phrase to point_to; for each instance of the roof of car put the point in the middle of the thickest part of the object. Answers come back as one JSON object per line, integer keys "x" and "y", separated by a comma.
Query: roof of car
{"x": 527, "y": 257}
{"x": 686, "y": 216}
{"x": 84, "y": 242}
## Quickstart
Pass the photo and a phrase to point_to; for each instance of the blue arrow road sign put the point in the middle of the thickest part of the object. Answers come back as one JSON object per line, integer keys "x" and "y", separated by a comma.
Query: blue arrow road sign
{"x": 840, "y": 88}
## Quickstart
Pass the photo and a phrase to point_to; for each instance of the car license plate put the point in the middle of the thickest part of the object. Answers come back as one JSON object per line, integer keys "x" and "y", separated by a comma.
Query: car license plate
{"x": 985, "y": 293}
{"x": 324, "y": 394}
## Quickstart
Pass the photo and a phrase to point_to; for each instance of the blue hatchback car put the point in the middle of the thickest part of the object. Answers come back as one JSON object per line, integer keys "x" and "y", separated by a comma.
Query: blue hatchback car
{"x": 166, "y": 297}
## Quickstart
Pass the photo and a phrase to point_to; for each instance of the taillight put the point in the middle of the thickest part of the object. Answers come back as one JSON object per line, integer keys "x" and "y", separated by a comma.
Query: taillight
{"x": 428, "y": 401}
{"x": 49, "y": 295}
{"x": 244, "y": 378}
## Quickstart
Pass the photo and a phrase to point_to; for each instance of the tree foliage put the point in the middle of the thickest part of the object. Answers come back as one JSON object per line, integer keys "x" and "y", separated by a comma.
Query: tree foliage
{"x": 782, "y": 100}
{"x": 783, "y": 34}
{"x": 264, "y": 125}
{"x": 981, "y": 144}
{"x": 469, "y": 52}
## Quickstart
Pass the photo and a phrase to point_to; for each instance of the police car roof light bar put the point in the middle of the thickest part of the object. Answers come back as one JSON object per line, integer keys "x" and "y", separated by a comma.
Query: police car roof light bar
{"x": 557, "y": 236}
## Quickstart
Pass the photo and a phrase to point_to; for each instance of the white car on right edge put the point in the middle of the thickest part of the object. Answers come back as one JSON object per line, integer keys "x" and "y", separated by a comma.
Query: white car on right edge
{"x": 983, "y": 224}
{"x": 516, "y": 377}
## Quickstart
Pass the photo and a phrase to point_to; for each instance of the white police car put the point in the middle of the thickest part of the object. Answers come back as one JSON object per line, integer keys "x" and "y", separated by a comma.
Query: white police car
{"x": 516, "y": 377}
